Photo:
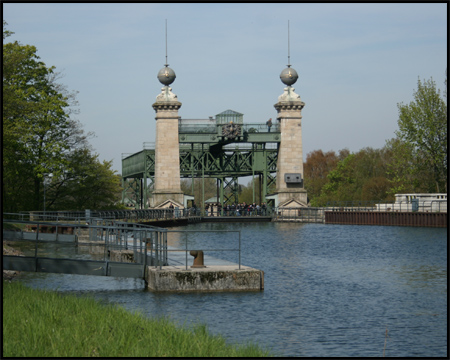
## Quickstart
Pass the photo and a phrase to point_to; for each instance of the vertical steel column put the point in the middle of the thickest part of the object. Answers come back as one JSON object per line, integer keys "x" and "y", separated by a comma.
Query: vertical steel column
{"x": 203, "y": 184}
{"x": 124, "y": 190}
{"x": 166, "y": 259}
{"x": 36, "y": 246}
{"x": 185, "y": 241}
{"x": 192, "y": 169}
{"x": 145, "y": 192}
{"x": 156, "y": 248}
{"x": 253, "y": 184}
{"x": 221, "y": 180}
{"x": 239, "y": 250}
{"x": 141, "y": 195}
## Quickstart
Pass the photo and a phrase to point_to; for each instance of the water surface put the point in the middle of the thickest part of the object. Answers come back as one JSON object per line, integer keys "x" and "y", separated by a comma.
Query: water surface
{"x": 330, "y": 290}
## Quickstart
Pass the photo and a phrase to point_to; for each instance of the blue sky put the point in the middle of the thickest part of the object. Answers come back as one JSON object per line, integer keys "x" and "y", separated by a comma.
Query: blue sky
{"x": 355, "y": 63}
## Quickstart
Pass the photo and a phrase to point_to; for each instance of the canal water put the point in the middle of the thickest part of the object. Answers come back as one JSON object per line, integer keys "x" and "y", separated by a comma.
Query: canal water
{"x": 330, "y": 290}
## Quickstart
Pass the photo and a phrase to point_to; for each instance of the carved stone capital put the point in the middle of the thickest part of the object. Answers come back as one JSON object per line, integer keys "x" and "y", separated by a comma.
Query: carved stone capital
{"x": 289, "y": 101}
{"x": 289, "y": 105}
{"x": 166, "y": 94}
{"x": 167, "y": 106}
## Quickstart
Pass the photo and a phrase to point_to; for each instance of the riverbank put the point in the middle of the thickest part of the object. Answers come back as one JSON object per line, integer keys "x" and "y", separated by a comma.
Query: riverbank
{"x": 9, "y": 250}
{"x": 40, "y": 323}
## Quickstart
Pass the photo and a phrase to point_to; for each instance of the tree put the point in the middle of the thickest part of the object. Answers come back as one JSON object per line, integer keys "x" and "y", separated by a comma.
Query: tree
{"x": 40, "y": 137}
{"x": 400, "y": 169}
{"x": 317, "y": 167}
{"x": 210, "y": 188}
{"x": 35, "y": 124}
{"x": 359, "y": 176}
{"x": 423, "y": 125}
{"x": 90, "y": 184}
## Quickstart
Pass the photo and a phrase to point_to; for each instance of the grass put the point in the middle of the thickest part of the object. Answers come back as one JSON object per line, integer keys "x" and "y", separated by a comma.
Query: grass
{"x": 42, "y": 323}
{"x": 13, "y": 227}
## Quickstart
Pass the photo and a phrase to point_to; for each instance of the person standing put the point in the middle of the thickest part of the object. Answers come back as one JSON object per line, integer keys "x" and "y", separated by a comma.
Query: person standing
{"x": 264, "y": 207}
{"x": 269, "y": 124}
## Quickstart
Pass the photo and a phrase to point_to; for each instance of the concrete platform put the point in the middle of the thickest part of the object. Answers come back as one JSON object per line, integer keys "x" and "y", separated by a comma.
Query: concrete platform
{"x": 210, "y": 278}
{"x": 217, "y": 275}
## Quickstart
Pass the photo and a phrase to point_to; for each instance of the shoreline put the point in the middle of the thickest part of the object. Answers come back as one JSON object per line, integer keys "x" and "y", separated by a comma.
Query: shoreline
{"x": 9, "y": 250}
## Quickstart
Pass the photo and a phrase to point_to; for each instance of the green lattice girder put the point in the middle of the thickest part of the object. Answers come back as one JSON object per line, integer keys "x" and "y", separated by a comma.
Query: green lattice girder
{"x": 204, "y": 152}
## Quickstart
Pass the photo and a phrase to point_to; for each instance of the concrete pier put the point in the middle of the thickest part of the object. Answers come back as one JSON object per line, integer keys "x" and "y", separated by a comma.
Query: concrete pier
{"x": 210, "y": 278}
{"x": 217, "y": 275}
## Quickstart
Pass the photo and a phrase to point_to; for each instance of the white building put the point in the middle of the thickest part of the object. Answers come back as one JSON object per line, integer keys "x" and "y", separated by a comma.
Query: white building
{"x": 417, "y": 202}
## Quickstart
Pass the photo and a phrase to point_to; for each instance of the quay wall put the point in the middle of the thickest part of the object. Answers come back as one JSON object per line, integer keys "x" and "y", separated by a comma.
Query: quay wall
{"x": 386, "y": 218}
{"x": 211, "y": 278}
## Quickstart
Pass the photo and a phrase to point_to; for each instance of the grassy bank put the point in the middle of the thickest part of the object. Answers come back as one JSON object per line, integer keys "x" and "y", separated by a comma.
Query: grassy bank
{"x": 38, "y": 323}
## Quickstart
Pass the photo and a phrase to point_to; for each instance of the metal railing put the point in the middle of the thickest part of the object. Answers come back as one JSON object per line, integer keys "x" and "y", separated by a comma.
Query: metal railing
{"x": 216, "y": 128}
{"x": 107, "y": 240}
{"x": 226, "y": 238}
{"x": 138, "y": 215}
{"x": 300, "y": 214}
{"x": 415, "y": 205}
{"x": 99, "y": 237}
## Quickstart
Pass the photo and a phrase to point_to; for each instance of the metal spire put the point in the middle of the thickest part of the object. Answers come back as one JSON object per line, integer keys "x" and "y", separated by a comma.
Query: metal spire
{"x": 166, "y": 64}
{"x": 289, "y": 76}
{"x": 289, "y": 49}
{"x": 166, "y": 75}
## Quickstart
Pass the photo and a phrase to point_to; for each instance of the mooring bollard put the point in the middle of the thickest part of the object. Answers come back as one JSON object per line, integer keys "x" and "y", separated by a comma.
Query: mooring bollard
{"x": 198, "y": 258}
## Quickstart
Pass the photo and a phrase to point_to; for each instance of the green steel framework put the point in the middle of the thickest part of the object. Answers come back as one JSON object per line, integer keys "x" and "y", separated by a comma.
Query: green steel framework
{"x": 207, "y": 151}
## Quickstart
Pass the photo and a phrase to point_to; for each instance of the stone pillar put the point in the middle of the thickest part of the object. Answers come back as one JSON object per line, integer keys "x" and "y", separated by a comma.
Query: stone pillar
{"x": 290, "y": 154}
{"x": 167, "y": 154}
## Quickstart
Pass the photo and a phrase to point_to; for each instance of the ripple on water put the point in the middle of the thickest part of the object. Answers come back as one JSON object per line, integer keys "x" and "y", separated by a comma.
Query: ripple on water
{"x": 330, "y": 290}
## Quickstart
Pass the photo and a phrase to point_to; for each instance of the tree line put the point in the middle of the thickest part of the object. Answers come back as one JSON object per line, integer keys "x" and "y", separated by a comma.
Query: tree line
{"x": 47, "y": 159}
{"x": 415, "y": 161}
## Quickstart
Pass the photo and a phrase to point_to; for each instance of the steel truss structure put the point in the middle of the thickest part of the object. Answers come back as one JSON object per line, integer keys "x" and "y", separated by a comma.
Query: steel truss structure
{"x": 224, "y": 149}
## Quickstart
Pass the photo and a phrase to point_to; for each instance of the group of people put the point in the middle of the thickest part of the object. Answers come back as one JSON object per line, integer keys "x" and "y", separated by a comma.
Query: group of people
{"x": 241, "y": 209}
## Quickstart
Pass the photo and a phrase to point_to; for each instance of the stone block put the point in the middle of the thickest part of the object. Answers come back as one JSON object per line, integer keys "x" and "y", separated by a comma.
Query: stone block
{"x": 211, "y": 278}
{"x": 122, "y": 256}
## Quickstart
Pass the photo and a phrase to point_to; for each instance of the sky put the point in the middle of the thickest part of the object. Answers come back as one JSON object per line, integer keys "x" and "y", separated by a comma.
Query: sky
{"x": 355, "y": 63}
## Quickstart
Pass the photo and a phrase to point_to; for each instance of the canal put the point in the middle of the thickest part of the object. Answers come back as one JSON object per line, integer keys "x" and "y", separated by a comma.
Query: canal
{"x": 330, "y": 290}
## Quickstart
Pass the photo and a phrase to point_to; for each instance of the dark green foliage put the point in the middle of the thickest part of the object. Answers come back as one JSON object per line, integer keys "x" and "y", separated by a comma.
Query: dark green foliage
{"x": 40, "y": 139}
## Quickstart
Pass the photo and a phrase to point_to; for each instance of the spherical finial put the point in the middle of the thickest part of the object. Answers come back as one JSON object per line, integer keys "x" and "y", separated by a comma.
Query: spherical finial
{"x": 166, "y": 75}
{"x": 288, "y": 76}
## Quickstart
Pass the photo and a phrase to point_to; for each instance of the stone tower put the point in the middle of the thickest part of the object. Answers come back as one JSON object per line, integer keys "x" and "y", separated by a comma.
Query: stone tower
{"x": 289, "y": 186}
{"x": 167, "y": 154}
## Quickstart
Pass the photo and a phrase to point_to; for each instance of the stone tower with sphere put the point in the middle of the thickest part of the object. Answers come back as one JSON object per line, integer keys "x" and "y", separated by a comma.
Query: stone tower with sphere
{"x": 289, "y": 186}
{"x": 167, "y": 185}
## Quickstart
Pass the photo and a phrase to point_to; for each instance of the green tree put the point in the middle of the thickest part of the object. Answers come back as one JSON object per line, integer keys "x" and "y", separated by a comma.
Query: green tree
{"x": 35, "y": 124}
{"x": 423, "y": 125}
{"x": 401, "y": 169}
{"x": 90, "y": 184}
{"x": 40, "y": 137}
{"x": 341, "y": 182}
{"x": 360, "y": 176}
{"x": 210, "y": 189}
{"x": 317, "y": 167}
